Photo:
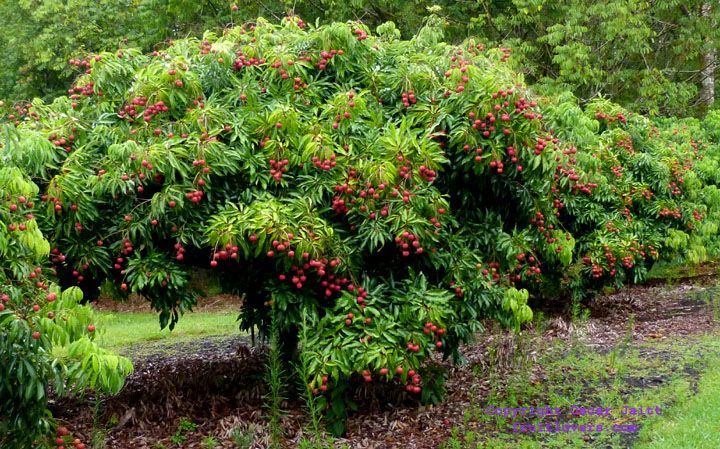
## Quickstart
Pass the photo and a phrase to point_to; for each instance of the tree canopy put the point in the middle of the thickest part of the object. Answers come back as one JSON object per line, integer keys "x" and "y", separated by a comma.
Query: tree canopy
{"x": 653, "y": 57}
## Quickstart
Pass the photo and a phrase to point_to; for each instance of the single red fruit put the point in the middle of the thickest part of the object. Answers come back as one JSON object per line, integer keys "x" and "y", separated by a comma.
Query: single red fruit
{"x": 91, "y": 328}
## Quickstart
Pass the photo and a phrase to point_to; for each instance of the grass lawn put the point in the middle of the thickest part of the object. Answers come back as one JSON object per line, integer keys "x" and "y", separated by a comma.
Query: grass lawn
{"x": 692, "y": 425}
{"x": 121, "y": 330}
{"x": 578, "y": 376}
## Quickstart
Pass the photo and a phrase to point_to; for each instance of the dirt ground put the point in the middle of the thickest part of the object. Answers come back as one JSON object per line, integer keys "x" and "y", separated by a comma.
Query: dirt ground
{"x": 217, "y": 383}
{"x": 215, "y": 303}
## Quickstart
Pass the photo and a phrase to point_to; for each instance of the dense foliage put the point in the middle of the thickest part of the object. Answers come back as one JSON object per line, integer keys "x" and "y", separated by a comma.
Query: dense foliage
{"x": 46, "y": 336}
{"x": 44, "y": 35}
{"x": 650, "y": 57}
{"x": 388, "y": 193}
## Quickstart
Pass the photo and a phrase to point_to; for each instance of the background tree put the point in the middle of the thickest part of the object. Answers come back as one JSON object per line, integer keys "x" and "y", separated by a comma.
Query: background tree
{"x": 648, "y": 56}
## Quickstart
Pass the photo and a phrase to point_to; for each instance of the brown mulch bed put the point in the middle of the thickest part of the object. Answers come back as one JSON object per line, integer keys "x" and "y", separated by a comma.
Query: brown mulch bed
{"x": 217, "y": 383}
{"x": 650, "y": 313}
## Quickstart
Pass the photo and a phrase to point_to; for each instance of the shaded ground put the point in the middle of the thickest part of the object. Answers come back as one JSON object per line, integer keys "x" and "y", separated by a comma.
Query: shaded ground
{"x": 216, "y": 383}
{"x": 212, "y": 303}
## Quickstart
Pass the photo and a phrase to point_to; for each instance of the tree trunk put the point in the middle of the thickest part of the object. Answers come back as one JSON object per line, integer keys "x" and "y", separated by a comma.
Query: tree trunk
{"x": 707, "y": 88}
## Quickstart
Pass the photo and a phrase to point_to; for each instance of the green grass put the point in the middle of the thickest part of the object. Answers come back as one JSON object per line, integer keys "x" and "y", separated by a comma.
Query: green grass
{"x": 672, "y": 272}
{"x": 575, "y": 374}
{"x": 693, "y": 425}
{"x": 118, "y": 331}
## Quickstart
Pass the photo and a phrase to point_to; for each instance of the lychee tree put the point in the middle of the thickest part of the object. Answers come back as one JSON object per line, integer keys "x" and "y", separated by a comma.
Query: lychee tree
{"x": 46, "y": 336}
{"x": 391, "y": 194}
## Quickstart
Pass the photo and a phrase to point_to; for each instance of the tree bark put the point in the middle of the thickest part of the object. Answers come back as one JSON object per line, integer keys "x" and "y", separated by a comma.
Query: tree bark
{"x": 707, "y": 86}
